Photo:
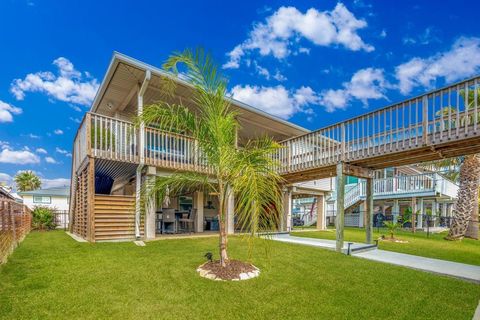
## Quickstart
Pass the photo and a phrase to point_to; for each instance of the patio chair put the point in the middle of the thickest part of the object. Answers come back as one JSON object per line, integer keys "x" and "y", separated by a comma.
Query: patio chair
{"x": 188, "y": 221}
{"x": 168, "y": 217}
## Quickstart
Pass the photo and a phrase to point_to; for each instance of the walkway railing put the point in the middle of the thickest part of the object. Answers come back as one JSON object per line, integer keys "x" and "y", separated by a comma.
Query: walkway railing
{"x": 447, "y": 114}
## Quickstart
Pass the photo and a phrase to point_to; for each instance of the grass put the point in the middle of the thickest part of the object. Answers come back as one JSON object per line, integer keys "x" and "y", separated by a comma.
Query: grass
{"x": 52, "y": 276}
{"x": 465, "y": 251}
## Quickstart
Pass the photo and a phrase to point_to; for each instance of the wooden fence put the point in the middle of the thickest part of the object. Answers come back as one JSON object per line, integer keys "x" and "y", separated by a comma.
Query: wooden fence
{"x": 15, "y": 224}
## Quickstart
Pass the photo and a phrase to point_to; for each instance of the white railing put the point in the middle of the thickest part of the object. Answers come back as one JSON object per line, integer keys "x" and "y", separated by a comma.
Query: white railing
{"x": 445, "y": 187}
{"x": 113, "y": 139}
{"x": 352, "y": 196}
{"x": 402, "y": 185}
{"x": 170, "y": 150}
{"x": 447, "y": 114}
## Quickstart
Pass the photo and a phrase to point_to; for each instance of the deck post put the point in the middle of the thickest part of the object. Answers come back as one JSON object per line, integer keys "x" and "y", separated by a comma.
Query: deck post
{"x": 321, "y": 223}
{"x": 339, "y": 220}
{"x": 369, "y": 212}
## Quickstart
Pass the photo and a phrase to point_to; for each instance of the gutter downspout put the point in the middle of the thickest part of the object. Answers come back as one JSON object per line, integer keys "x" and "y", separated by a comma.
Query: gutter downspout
{"x": 141, "y": 152}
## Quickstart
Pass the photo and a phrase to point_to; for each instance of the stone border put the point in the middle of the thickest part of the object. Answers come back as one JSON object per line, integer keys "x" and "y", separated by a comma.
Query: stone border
{"x": 243, "y": 276}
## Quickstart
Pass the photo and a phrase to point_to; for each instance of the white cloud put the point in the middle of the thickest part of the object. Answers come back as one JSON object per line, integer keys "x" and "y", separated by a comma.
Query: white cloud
{"x": 281, "y": 33}
{"x": 426, "y": 37}
{"x": 33, "y": 136}
{"x": 7, "y": 111}
{"x": 69, "y": 85}
{"x": 41, "y": 150}
{"x": 8, "y": 155}
{"x": 279, "y": 77}
{"x": 461, "y": 61}
{"x": 50, "y": 160}
{"x": 58, "y": 131}
{"x": 277, "y": 100}
{"x": 76, "y": 120}
{"x": 60, "y": 150}
{"x": 53, "y": 183}
{"x": 63, "y": 151}
{"x": 364, "y": 85}
{"x": 262, "y": 71}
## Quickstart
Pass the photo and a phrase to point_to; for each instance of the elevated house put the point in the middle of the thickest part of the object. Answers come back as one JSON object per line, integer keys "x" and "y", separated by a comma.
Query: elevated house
{"x": 111, "y": 158}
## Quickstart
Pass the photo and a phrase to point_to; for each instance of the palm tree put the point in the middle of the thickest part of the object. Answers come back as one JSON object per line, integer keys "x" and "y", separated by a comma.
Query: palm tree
{"x": 247, "y": 173}
{"x": 27, "y": 181}
{"x": 465, "y": 222}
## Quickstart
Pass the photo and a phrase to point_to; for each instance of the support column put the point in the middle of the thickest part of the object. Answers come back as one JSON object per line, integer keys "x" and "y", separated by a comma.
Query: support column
{"x": 198, "y": 206}
{"x": 138, "y": 209}
{"x": 150, "y": 206}
{"x": 414, "y": 212}
{"x": 141, "y": 152}
{"x": 340, "y": 218}
{"x": 434, "y": 212}
{"x": 231, "y": 214}
{"x": 395, "y": 210}
{"x": 286, "y": 222}
{"x": 421, "y": 212}
{"x": 369, "y": 212}
{"x": 321, "y": 216}
{"x": 362, "y": 217}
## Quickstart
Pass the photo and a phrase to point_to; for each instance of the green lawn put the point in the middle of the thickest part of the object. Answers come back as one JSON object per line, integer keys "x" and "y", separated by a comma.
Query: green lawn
{"x": 52, "y": 276}
{"x": 465, "y": 251}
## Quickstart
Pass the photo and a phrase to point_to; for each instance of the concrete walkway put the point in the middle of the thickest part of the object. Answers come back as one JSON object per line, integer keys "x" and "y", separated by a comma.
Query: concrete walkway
{"x": 453, "y": 269}
{"x": 321, "y": 243}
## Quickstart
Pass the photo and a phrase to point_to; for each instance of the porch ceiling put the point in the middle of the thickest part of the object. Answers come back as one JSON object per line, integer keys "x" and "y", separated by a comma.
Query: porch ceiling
{"x": 118, "y": 94}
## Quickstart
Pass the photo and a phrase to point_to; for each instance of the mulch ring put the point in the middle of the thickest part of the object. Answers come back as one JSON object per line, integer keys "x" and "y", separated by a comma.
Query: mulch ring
{"x": 234, "y": 270}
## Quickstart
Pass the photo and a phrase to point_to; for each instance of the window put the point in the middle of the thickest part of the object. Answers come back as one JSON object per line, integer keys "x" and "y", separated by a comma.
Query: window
{"x": 41, "y": 199}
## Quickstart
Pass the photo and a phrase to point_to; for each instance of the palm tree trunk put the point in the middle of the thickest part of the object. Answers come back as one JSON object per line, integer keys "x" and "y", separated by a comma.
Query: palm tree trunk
{"x": 472, "y": 229}
{"x": 467, "y": 197}
{"x": 223, "y": 229}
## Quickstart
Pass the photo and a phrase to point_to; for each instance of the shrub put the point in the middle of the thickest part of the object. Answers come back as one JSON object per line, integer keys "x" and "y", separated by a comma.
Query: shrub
{"x": 43, "y": 218}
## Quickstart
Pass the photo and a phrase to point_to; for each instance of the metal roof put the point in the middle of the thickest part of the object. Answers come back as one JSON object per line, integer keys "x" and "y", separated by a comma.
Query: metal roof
{"x": 59, "y": 192}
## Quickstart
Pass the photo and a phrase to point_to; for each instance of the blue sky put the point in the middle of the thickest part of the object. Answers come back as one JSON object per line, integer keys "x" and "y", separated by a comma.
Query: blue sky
{"x": 311, "y": 62}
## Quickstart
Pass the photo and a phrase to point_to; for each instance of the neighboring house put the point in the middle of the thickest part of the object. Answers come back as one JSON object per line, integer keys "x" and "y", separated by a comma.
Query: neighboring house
{"x": 111, "y": 157}
{"x": 55, "y": 198}
{"x": 7, "y": 193}
{"x": 396, "y": 190}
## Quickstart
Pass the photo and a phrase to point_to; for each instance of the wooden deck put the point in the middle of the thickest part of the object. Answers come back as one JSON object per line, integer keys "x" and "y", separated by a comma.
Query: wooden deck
{"x": 440, "y": 124}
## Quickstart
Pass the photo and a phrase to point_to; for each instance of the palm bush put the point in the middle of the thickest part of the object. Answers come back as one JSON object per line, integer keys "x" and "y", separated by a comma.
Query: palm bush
{"x": 43, "y": 218}
{"x": 247, "y": 173}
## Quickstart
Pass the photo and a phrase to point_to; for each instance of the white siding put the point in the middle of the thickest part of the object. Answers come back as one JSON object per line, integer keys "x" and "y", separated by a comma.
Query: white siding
{"x": 59, "y": 203}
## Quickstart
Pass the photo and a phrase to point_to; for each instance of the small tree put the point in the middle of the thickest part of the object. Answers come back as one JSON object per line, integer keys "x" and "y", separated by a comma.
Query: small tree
{"x": 392, "y": 227}
{"x": 43, "y": 218}
{"x": 248, "y": 173}
{"x": 27, "y": 181}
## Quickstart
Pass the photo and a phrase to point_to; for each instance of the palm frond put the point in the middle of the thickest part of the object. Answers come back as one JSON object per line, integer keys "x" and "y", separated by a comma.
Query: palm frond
{"x": 256, "y": 184}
